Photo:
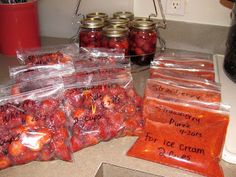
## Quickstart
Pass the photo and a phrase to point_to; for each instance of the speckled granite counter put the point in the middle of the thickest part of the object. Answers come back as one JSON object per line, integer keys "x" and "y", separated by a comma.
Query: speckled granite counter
{"x": 87, "y": 161}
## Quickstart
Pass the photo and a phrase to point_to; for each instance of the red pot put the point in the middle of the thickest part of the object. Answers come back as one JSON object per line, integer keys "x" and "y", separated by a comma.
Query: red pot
{"x": 19, "y": 27}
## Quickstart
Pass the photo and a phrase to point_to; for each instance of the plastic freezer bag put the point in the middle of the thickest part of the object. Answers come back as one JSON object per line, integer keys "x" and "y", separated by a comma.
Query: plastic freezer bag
{"x": 182, "y": 136}
{"x": 101, "y": 57}
{"x": 89, "y": 75}
{"x": 183, "y": 92}
{"x": 48, "y": 55}
{"x": 168, "y": 75}
{"x": 33, "y": 126}
{"x": 184, "y": 72}
{"x": 182, "y": 62}
{"x": 22, "y": 85}
{"x": 100, "y": 64}
{"x": 103, "y": 110}
{"x": 28, "y": 73}
{"x": 185, "y": 55}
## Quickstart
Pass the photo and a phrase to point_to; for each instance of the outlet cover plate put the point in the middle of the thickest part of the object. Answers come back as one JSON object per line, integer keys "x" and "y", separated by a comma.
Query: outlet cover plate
{"x": 175, "y": 7}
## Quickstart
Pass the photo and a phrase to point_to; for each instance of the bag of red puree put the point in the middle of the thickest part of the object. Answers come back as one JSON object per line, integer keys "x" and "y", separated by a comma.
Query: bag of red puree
{"x": 183, "y": 62}
{"x": 190, "y": 93}
{"x": 168, "y": 75}
{"x": 101, "y": 110}
{"x": 48, "y": 55}
{"x": 184, "y": 72}
{"x": 33, "y": 124}
{"x": 182, "y": 136}
{"x": 184, "y": 55}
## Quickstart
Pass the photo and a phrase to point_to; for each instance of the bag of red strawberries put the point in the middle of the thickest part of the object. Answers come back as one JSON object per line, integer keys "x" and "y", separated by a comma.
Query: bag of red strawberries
{"x": 101, "y": 64}
{"x": 33, "y": 124}
{"x": 102, "y": 109}
{"x": 100, "y": 57}
{"x": 29, "y": 73}
{"x": 48, "y": 55}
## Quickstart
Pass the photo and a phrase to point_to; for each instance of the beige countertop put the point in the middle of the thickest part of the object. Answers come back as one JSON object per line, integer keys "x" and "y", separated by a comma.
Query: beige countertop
{"x": 87, "y": 161}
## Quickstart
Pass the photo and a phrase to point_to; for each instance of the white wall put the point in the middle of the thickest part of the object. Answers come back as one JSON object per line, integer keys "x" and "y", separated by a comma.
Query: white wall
{"x": 196, "y": 11}
{"x": 56, "y": 16}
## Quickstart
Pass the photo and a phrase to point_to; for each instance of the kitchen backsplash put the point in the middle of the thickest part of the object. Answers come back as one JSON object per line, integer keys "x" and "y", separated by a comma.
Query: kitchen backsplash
{"x": 195, "y": 37}
{"x": 196, "y": 11}
{"x": 56, "y": 16}
{"x": 209, "y": 35}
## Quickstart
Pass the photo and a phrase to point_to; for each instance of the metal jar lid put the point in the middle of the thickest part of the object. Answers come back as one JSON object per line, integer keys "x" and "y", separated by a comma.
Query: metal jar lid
{"x": 115, "y": 31}
{"x": 122, "y": 14}
{"x": 97, "y": 15}
{"x": 118, "y": 21}
{"x": 143, "y": 24}
{"x": 92, "y": 23}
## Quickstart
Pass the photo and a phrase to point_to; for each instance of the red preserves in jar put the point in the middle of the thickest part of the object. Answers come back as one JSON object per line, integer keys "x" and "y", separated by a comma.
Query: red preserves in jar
{"x": 143, "y": 37}
{"x": 90, "y": 34}
{"x": 116, "y": 37}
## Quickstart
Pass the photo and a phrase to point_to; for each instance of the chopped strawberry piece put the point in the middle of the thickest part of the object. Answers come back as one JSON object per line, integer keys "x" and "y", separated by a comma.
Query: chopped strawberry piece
{"x": 4, "y": 162}
{"x": 16, "y": 148}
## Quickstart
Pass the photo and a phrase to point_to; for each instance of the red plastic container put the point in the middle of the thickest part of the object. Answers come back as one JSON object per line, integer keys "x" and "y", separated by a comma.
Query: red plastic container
{"x": 19, "y": 27}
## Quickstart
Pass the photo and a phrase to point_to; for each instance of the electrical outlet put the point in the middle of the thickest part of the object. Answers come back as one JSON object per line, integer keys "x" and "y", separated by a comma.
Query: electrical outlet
{"x": 175, "y": 7}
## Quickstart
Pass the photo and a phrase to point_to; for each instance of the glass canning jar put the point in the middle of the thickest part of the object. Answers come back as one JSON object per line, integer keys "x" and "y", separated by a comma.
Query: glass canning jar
{"x": 90, "y": 34}
{"x": 117, "y": 21}
{"x": 143, "y": 39}
{"x": 123, "y": 14}
{"x": 116, "y": 37}
{"x": 98, "y": 15}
